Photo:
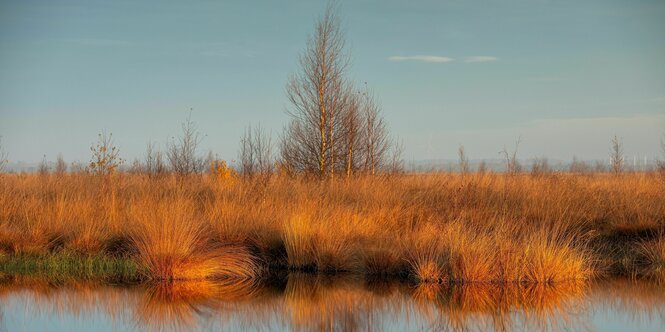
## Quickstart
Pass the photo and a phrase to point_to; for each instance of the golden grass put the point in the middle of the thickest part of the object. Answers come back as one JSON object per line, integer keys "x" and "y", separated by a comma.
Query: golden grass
{"x": 441, "y": 228}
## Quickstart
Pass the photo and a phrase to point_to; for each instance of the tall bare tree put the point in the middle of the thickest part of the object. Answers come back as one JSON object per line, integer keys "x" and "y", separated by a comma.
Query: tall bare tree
{"x": 318, "y": 95}
{"x": 616, "y": 155}
{"x": 182, "y": 152}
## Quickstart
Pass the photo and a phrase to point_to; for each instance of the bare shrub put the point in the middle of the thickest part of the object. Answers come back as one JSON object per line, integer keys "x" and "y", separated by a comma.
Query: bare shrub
{"x": 60, "y": 165}
{"x": 578, "y": 166}
{"x": 255, "y": 154}
{"x": 512, "y": 164}
{"x": 154, "y": 162}
{"x": 105, "y": 155}
{"x": 43, "y": 167}
{"x": 540, "y": 166}
{"x": 182, "y": 151}
{"x": 3, "y": 157}
{"x": 463, "y": 160}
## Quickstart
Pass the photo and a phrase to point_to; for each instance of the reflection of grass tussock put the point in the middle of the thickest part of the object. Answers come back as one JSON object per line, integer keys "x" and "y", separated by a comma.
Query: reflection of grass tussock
{"x": 651, "y": 258}
{"x": 491, "y": 306}
{"x": 176, "y": 305}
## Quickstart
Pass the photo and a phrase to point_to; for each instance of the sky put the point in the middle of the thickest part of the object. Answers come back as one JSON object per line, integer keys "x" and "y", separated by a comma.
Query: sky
{"x": 563, "y": 76}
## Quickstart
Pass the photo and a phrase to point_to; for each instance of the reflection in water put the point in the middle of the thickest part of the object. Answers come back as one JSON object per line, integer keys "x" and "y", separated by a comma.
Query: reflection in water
{"x": 305, "y": 302}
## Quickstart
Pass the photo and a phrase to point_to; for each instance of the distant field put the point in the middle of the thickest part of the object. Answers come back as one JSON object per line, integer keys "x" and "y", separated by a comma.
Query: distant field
{"x": 429, "y": 228}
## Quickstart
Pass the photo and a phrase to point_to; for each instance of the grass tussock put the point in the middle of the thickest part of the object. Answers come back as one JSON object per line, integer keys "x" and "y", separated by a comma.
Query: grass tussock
{"x": 434, "y": 228}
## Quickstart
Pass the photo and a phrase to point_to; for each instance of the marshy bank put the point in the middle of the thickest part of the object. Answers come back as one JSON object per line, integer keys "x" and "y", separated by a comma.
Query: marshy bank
{"x": 427, "y": 228}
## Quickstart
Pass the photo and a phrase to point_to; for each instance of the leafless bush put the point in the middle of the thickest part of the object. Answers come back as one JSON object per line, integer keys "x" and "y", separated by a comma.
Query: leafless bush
{"x": 255, "y": 154}
{"x": 660, "y": 164}
{"x": 377, "y": 142}
{"x": 540, "y": 167}
{"x": 136, "y": 167}
{"x": 482, "y": 167}
{"x": 578, "y": 166}
{"x": 154, "y": 162}
{"x": 395, "y": 163}
{"x": 60, "y": 165}
{"x": 616, "y": 156}
{"x": 463, "y": 160}
{"x": 43, "y": 167}
{"x": 3, "y": 157}
{"x": 512, "y": 164}
{"x": 182, "y": 151}
{"x": 105, "y": 155}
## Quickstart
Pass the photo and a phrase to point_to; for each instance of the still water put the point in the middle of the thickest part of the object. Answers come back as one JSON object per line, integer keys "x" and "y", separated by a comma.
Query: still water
{"x": 304, "y": 303}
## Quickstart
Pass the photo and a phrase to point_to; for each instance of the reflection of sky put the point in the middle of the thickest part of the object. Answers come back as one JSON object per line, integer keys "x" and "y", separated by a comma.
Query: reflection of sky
{"x": 565, "y": 74}
{"x": 60, "y": 311}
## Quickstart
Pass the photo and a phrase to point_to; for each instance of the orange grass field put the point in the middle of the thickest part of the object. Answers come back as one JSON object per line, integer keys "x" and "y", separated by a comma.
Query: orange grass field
{"x": 430, "y": 228}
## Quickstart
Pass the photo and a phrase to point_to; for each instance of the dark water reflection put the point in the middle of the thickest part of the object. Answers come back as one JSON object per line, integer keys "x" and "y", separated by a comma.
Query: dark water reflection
{"x": 304, "y": 302}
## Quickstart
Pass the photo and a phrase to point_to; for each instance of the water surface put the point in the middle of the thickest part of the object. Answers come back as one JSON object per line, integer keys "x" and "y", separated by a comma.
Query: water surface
{"x": 303, "y": 302}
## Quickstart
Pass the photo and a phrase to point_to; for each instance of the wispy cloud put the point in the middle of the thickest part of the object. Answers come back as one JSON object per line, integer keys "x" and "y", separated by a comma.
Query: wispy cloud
{"x": 480, "y": 58}
{"x": 421, "y": 58}
{"x": 96, "y": 42}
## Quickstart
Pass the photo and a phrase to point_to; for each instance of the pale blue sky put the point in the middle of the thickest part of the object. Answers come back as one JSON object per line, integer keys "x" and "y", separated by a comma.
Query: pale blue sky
{"x": 564, "y": 75}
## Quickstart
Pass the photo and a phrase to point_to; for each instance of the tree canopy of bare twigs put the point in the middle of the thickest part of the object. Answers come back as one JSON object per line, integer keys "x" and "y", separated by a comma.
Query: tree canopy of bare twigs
{"x": 182, "y": 151}
{"x": 334, "y": 128}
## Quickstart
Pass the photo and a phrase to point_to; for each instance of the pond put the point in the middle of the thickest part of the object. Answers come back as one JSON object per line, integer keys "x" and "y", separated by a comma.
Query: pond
{"x": 304, "y": 302}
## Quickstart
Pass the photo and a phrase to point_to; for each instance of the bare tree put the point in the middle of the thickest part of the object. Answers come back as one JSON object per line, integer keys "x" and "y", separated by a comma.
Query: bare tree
{"x": 60, "y": 165}
{"x": 395, "y": 163}
{"x": 512, "y": 164}
{"x": 540, "y": 166}
{"x": 255, "y": 153}
{"x": 616, "y": 155}
{"x": 3, "y": 157}
{"x": 317, "y": 95}
{"x": 43, "y": 167}
{"x": 463, "y": 160}
{"x": 660, "y": 164}
{"x": 377, "y": 142}
{"x": 482, "y": 167}
{"x": 182, "y": 151}
{"x": 154, "y": 162}
{"x": 578, "y": 166}
{"x": 105, "y": 155}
